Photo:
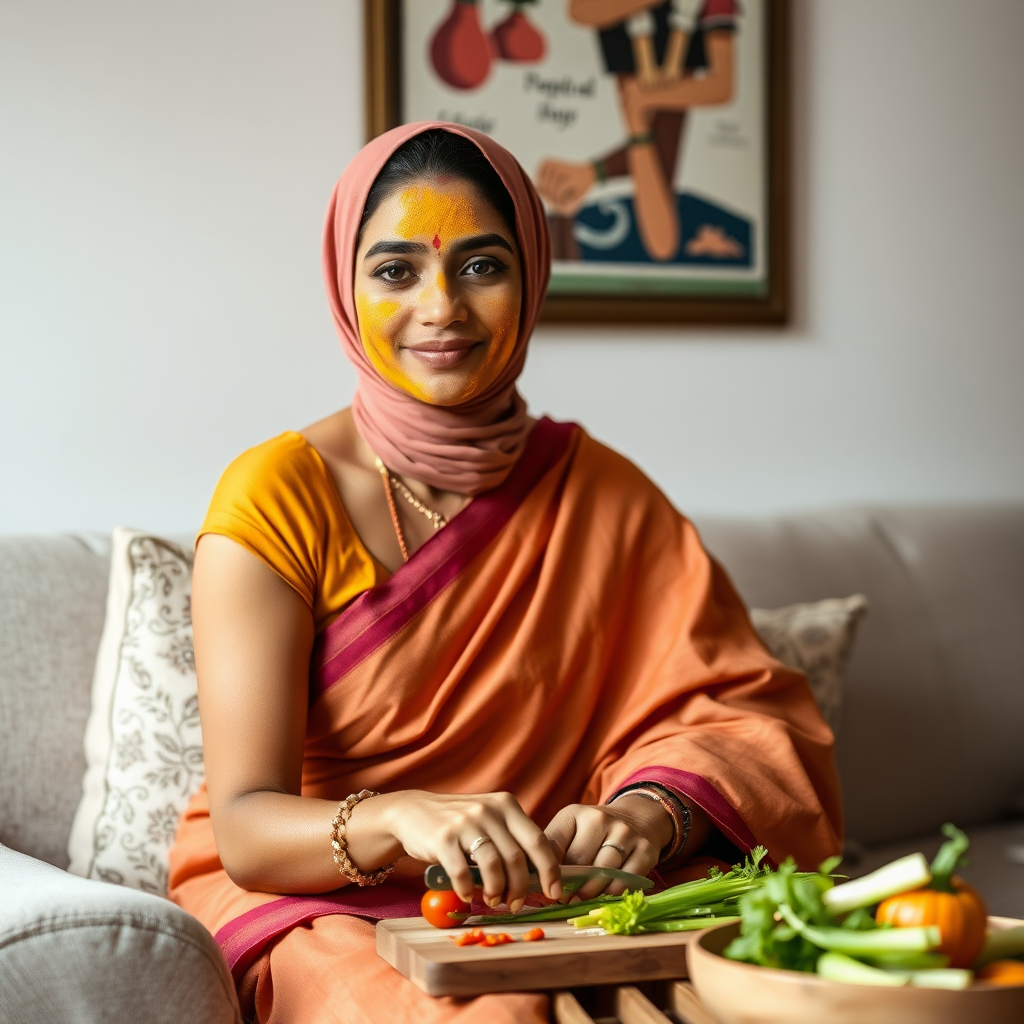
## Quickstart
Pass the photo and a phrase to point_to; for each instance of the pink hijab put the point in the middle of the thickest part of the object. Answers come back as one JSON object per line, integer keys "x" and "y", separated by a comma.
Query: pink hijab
{"x": 467, "y": 448}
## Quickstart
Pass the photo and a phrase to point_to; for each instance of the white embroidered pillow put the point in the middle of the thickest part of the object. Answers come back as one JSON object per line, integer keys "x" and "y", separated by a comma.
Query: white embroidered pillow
{"x": 817, "y": 639}
{"x": 143, "y": 747}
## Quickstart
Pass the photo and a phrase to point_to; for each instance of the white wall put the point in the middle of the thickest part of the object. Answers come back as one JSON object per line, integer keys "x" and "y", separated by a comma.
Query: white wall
{"x": 163, "y": 175}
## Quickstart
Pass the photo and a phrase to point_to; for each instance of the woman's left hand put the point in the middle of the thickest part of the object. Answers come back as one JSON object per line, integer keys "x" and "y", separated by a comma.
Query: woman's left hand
{"x": 630, "y": 835}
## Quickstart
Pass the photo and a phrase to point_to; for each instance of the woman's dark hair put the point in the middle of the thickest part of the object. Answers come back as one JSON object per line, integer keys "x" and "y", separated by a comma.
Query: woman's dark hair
{"x": 439, "y": 153}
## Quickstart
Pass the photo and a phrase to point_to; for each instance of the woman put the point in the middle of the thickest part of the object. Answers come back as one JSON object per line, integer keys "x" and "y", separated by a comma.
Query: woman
{"x": 496, "y": 626}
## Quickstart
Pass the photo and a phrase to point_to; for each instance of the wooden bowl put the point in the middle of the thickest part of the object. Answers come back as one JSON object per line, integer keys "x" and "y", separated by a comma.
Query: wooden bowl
{"x": 738, "y": 993}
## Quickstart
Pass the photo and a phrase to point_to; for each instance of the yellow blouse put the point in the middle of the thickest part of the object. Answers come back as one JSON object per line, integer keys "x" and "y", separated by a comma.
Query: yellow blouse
{"x": 278, "y": 501}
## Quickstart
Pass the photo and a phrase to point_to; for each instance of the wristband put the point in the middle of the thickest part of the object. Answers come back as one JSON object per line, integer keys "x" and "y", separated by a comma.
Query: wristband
{"x": 644, "y": 139}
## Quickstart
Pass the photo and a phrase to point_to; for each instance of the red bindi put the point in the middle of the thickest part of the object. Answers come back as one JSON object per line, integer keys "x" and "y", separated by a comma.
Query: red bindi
{"x": 437, "y": 242}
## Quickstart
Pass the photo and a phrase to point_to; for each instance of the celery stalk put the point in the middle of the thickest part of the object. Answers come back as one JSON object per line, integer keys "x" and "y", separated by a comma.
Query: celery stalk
{"x": 903, "y": 875}
{"x": 867, "y": 944}
{"x": 1001, "y": 944}
{"x": 901, "y": 960}
{"x": 837, "y": 967}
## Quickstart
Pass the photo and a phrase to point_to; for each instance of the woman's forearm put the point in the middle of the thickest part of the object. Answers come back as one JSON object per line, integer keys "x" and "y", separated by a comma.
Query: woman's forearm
{"x": 276, "y": 842}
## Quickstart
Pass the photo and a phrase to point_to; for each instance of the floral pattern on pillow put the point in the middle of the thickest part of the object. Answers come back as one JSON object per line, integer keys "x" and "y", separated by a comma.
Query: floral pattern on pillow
{"x": 155, "y": 760}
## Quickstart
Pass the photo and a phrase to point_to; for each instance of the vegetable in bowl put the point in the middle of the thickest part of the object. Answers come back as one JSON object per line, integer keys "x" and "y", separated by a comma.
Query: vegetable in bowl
{"x": 907, "y": 923}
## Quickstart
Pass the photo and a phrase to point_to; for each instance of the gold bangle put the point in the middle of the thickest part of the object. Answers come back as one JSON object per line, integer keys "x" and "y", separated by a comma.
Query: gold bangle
{"x": 680, "y": 814}
{"x": 339, "y": 845}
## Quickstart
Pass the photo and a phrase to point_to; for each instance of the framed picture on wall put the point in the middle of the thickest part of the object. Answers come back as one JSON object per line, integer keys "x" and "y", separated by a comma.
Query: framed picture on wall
{"x": 654, "y": 130}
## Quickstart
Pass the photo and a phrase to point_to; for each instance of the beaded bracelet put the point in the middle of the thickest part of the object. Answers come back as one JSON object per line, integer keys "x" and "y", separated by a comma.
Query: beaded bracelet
{"x": 339, "y": 828}
{"x": 682, "y": 819}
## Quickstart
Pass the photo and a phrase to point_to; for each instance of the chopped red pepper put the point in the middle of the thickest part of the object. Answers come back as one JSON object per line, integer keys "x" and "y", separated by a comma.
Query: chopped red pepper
{"x": 472, "y": 938}
{"x": 499, "y": 939}
{"x": 534, "y": 935}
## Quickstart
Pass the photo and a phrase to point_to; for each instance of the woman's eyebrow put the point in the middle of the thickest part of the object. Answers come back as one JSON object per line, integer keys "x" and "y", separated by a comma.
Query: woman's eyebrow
{"x": 481, "y": 242}
{"x": 396, "y": 247}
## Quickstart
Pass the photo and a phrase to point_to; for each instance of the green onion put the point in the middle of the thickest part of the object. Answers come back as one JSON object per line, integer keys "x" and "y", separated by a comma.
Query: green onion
{"x": 556, "y": 912}
{"x": 701, "y": 899}
{"x": 838, "y": 967}
{"x": 900, "y": 876}
{"x": 686, "y": 924}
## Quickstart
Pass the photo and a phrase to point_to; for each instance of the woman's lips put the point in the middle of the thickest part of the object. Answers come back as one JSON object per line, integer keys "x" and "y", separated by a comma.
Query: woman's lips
{"x": 443, "y": 354}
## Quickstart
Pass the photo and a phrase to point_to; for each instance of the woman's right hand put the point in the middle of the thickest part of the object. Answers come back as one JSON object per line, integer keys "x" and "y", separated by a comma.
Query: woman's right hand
{"x": 441, "y": 828}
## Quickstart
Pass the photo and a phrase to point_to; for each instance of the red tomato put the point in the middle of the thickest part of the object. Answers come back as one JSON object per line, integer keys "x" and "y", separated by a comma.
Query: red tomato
{"x": 436, "y": 905}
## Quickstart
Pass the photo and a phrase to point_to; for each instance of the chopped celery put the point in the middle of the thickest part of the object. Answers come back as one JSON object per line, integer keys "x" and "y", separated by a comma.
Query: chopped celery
{"x": 855, "y": 943}
{"x": 1001, "y": 944}
{"x": 901, "y": 960}
{"x": 900, "y": 876}
{"x": 838, "y": 967}
{"x": 944, "y": 977}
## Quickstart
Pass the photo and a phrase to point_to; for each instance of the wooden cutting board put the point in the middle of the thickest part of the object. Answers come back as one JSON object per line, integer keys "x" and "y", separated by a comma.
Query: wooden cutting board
{"x": 565, "y": 958}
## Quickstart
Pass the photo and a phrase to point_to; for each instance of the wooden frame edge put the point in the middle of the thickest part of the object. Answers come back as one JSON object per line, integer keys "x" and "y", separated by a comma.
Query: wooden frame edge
{"x": 382, "y": 89}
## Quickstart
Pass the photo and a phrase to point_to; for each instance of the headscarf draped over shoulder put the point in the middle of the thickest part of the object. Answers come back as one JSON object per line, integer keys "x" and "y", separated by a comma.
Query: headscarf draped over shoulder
{"x": 467, "y": 448}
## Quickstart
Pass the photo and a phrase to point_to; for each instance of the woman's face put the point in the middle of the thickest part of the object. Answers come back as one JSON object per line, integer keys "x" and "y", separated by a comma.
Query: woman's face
{"x": 438, "y": 290}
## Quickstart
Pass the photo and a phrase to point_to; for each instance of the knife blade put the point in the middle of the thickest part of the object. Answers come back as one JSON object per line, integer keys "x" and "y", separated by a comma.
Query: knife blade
{"x": 574, "y": 876}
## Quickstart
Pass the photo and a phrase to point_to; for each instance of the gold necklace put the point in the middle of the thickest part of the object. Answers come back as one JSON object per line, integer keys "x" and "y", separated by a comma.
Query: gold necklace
{"x": 437, "y": 518}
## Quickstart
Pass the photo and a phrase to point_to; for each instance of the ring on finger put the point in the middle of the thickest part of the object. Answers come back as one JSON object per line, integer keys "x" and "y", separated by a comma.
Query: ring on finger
{"x": 477, "y": 843}
{"x": 618, "y": 849}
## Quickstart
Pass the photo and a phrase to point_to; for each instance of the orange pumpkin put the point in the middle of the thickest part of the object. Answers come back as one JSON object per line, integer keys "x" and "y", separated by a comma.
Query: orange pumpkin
{"x": 957, "y": 909}
{"x": 960, "y": 916}
{"x": 1003, "y": 972}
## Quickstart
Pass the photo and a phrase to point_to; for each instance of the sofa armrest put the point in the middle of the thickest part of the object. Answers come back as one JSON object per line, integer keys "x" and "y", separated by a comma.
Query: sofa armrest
{"x": 75, "y": 949}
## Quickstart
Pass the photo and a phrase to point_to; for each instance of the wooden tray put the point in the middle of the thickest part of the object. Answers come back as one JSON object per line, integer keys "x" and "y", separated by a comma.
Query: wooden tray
{"x": 565, "y": 958}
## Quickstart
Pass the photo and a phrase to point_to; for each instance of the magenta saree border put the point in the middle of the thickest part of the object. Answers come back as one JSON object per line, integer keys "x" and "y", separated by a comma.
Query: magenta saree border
{"x": 702, "y": 793}
{"x": 378, "y": 614}
{"x": 243, "y": 939}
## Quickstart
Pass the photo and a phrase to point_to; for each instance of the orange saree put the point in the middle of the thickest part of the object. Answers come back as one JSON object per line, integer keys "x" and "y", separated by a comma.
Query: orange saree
{"x": 564, "y": 636}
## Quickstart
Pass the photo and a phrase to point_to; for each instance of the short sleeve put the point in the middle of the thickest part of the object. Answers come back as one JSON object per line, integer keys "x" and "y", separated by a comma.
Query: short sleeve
{"x": 270, "y": 500}
{"x": 278, "y": 501}
{"x": 719, "y": 14}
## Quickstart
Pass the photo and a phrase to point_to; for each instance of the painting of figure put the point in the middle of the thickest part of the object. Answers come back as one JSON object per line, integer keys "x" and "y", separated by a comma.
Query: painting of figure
{"x": 645, "y": 124}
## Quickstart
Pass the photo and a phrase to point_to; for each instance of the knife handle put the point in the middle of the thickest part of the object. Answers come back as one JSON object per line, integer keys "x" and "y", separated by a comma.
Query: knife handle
{"x": 437, "y": 878}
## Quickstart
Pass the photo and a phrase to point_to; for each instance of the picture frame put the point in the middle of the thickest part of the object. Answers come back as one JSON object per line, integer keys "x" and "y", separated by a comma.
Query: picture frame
{"x": 728, "y": 178}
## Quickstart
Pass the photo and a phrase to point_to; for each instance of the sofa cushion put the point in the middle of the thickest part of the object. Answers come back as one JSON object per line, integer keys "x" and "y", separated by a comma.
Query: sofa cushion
{"x": 933, "y": 705}
{"x": 77, "y": 950}
{"x": 52, "y": 592}
{"x": 143, "y": 744}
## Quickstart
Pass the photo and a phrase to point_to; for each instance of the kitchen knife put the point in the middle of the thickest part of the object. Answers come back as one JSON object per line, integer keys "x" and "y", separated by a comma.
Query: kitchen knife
{"x": 574, "y": 876}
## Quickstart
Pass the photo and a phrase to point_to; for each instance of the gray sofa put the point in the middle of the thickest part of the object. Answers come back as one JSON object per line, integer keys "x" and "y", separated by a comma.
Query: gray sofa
{"x": 932, "y": 730}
